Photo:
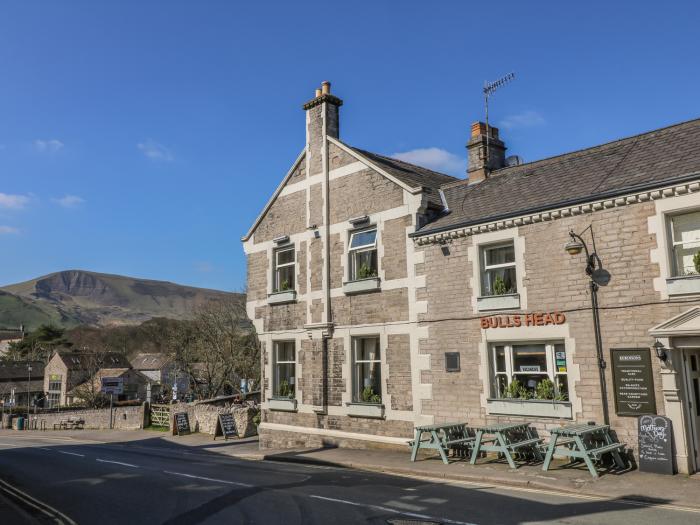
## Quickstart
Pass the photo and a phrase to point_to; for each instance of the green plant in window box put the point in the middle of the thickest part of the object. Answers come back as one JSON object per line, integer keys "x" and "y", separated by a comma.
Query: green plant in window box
{"x": 284, "y": 286}
{"x": 544, "y": 389}
{"x": 499, "y": 286}
{"x": 513, "y": 389}
{"x": 369, "y": 396}
{"x": 696, "y": 262}
{"x": 285, "y": 389}
{"x": 365, "y": 272}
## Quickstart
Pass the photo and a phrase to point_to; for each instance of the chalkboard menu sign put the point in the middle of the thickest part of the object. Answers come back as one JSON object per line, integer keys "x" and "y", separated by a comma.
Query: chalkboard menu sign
{"x": 655, "y": 445}
{"x": 182, "y": 423}
{"x": 633, "y": 381}
{"x": 226, "y": 426}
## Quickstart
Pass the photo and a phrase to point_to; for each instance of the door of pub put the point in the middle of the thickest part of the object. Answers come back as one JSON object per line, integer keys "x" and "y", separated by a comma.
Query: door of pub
{"x": 692, "y": 367}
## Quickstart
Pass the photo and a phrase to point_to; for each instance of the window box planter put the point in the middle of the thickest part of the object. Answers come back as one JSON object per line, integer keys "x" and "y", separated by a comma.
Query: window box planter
{"x": 509, "y": 301}
{"x": 288, "y": 296}
{"x": 683, "y": 285}
{"x": 373, "y": 410}
{"x": 284, "y": 404}
{"x": 371, "y": 284}
{"x": 530, "y": 407}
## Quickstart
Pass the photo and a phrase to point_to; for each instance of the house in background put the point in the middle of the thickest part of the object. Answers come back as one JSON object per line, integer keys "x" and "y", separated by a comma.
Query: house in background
{"x": 163, "y": 371}
{"x": 134, "y": 385}
{"x": 16, "y": 379}
{"x": 67, "y": 369}
{"x": 10, "y": 335}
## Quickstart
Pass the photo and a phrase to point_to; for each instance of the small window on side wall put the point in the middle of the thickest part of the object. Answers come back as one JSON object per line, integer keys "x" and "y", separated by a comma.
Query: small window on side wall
{"x": 685, "y": 244}
{"x": 363, "y": 254}
{"x": 498, "y": 274}
{"x": 285, "y": 266}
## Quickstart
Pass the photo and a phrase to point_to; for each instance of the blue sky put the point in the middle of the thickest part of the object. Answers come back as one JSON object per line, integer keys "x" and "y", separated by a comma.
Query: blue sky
{"x": 143, "y": 138}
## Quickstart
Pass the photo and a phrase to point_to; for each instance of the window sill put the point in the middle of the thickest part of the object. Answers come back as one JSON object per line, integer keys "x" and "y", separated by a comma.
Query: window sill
{"x": 498, "y": 302}
{"x": 282, "y": 404}
{"x": 371, "y": 410}
{"x": 288, "y": 296}
{"x": 530, "y": 407}
{"x": 683, "y": 285}
{"x": 371, "y": 284}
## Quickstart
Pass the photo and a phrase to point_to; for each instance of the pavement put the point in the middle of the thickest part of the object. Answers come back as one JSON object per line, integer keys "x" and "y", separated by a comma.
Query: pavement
{"x": 148, "y": 477}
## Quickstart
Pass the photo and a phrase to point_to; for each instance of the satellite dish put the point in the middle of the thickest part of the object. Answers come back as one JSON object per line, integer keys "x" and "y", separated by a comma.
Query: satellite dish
{"x": 514, "y": 160}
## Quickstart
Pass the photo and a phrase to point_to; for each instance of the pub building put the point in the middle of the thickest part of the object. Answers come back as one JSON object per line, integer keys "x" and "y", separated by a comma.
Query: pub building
{"x": 564, "y": 290}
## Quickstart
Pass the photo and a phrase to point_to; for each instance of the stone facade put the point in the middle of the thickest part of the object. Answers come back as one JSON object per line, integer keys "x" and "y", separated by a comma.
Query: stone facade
{"x": 429, "y": 302}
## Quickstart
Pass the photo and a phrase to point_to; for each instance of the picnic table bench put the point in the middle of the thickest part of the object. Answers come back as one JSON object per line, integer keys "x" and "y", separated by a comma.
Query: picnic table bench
{"x": 69, "y": 424}
{"x": 443, "y": 438}
{"x": 584, "y": 442}
{"x": 506, "y": 439}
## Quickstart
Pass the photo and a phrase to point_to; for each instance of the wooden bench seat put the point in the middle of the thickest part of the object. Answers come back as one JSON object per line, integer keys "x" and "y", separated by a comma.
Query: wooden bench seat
{"x": 526, "y": 443}
{"x": 596, "y": 453}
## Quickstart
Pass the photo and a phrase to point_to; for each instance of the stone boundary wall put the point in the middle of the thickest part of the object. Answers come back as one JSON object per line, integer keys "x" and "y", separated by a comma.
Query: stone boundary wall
{"x": 124, "y": 418}
{"x": 203, "y": 418}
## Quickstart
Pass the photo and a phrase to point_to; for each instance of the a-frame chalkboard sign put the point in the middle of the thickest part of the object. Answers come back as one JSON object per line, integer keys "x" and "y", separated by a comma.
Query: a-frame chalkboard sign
{"x": 226, "y": 426}
{"x": 182, "y": 423}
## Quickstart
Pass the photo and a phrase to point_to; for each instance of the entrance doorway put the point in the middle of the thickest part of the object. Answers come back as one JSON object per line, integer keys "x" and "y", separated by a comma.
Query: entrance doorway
{"x": 692, "y": 367}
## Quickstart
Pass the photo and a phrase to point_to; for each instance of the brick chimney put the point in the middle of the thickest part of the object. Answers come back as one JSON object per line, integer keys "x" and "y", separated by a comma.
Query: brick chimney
{"x": 322, "y": 118}
{"x": 477, "y": 170}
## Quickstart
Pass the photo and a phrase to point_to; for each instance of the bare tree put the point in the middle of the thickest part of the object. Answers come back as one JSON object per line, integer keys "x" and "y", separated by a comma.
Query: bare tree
{"x": 218, "y": 348}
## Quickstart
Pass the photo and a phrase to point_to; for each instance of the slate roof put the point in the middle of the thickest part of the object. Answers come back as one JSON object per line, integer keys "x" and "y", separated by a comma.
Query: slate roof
{"x": 410, "y": 174}
{"x": 84, "y": 360}
{"x": 150, "y": 361}
{"x": 18, "y": 369}
{"x": 637, "y": 163}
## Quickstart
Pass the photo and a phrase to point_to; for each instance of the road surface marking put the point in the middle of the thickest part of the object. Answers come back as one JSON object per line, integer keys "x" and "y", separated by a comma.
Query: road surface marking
{"x": 395, "y": 511}
{"x": 56, "y": 515}
{"x": 71, "y": 453}
{"x": 117, "y": 463}
{"x": 208, "y": 479}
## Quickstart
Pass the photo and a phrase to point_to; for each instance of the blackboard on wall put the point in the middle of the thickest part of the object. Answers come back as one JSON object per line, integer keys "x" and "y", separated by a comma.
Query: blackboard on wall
{"x": 182, "y": 423}
{"x": 633, "y": 381}
{"x": 226, "y": 426}
{"x": 655, "y": 444}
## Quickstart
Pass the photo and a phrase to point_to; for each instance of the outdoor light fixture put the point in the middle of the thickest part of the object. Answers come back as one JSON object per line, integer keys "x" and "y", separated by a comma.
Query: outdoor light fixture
{"x": 574, "y": 247}
{"x": 598, "y": 276}
{"x": 660, "y": 350}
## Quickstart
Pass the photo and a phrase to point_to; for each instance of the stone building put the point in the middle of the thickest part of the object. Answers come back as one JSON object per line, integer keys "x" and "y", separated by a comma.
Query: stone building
{"x": 67, "y": 369}
{"x": 386, "y": 295}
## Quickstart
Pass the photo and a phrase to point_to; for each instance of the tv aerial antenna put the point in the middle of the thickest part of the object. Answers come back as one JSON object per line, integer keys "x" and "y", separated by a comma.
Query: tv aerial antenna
{"x": 489, "y": 89}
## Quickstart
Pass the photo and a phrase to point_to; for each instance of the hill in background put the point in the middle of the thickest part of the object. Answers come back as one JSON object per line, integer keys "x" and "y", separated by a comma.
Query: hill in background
{"x": 77, "y": 297}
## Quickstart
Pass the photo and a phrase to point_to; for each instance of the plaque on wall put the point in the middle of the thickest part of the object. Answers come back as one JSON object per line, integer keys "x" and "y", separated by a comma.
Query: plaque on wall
{"x": 633, "y": 381}
{"x": 655, "y": 445}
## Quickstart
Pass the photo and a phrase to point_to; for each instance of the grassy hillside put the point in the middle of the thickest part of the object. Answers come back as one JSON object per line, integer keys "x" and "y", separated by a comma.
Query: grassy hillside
{"x": 75, "y": 297}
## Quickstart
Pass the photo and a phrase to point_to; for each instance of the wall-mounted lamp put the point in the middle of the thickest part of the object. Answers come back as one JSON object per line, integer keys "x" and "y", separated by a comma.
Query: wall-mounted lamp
{"x": 660, "y": 350}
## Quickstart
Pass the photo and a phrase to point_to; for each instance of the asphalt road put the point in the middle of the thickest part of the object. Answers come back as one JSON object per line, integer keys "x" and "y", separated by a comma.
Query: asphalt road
{"x": 157, "y": 481}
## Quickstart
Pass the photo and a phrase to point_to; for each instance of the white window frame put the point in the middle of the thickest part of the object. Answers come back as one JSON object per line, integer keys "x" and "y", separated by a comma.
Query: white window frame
{"x": 352, "y": 253}
{"x": 276, "y": 362}
{"x": 276, "y": 267}
{"x": 673, "y": 243}
{"x": 484, "y": 268}
{"x": 552, "y": 372}
{"x": 356, "y": 391}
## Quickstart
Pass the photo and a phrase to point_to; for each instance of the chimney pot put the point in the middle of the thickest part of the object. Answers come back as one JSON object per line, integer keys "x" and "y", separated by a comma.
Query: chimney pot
{"x": 325, "y": 87}
{"x": 318, "y": 92}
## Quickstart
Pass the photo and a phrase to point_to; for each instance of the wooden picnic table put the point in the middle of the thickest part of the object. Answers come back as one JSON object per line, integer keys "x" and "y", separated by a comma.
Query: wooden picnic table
{"x": 506, "y": 439}
{"x": 586, "y": 442}
{"x": 442, "y": 438}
